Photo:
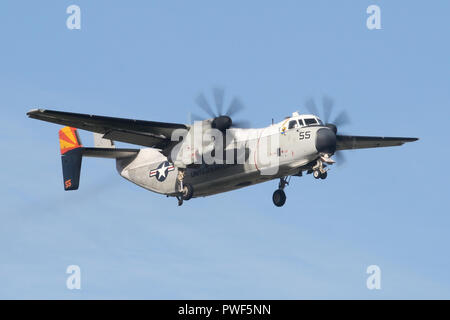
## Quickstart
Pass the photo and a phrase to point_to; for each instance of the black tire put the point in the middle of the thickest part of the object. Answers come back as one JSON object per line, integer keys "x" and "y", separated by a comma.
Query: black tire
{"x": 188, "y": 192}
{"x": 279, "y": 198}
{"x": 317, "y": 174}
{"x": 324, "y": 175}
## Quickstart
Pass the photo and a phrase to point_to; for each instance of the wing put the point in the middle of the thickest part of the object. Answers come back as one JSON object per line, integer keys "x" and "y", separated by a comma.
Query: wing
{"x": 139, "y": 132}
{"x": 360, "y": 142}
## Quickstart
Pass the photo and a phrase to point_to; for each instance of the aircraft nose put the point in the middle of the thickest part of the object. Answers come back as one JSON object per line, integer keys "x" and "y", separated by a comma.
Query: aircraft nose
{"x": 325, "y": 141}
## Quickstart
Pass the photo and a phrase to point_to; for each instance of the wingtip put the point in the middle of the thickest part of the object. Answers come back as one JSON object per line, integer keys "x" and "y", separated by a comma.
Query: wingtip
{"x": 34, "y": 111}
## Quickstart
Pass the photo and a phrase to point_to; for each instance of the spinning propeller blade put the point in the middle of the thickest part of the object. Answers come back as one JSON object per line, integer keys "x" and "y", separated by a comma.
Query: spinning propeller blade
{"x": 204, "y": 105}
{"x": 221, "y": 121}
{"x": 218, "y": 98}
{"x": 341, "y": 119}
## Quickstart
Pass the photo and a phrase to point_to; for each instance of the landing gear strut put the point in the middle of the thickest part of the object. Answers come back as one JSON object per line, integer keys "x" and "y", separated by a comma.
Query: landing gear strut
{"x": 279, "y": 196}
{"x": 186, "y": 191}
{"x": 319, "y": 171}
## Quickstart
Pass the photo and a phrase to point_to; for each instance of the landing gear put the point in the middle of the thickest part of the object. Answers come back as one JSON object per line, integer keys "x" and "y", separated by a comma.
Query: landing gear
{"x": 186, "y": 191}
{"x": 319, "y": 171}
{"x": 279, "y": 196}
{"x": 317, "y": 174}
{"x": 320, "y": 175}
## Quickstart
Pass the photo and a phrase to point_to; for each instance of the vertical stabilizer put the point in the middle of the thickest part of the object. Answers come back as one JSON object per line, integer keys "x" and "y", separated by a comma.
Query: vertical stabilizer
{"x": 71, "y": 155}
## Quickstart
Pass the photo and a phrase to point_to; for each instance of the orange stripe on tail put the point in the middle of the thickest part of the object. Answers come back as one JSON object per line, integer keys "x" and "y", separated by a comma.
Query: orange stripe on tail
{"x": 69, "y": 139}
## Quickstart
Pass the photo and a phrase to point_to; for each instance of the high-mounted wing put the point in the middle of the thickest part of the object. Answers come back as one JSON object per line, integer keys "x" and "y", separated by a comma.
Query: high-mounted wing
{"x": 139, "y": 132}
{"x": 361, "y": 142}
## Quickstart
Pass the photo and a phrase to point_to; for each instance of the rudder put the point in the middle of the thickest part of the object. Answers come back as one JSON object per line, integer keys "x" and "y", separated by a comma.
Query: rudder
{"x": 71, "y": 155}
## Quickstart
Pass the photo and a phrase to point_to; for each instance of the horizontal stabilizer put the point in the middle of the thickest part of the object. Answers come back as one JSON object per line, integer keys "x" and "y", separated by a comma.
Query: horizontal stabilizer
{"x": 72, "y": 152}
{"x": 112, "y": 153}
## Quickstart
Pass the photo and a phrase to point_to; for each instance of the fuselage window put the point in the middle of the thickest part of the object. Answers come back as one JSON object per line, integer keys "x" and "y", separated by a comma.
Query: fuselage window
{"x": 310, "y": 121}
{"x": 293, "y": 124}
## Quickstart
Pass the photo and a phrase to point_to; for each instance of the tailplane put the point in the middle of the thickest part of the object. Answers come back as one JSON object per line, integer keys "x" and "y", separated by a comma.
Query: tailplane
{"x": 72, "y": 152}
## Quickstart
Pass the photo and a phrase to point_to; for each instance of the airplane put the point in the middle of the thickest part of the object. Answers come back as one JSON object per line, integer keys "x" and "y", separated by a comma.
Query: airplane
{"x": 188, "y": 167}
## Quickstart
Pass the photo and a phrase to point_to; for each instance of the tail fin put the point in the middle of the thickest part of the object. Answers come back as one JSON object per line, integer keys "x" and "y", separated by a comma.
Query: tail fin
{"x": 69, "y": 139}
{"x": 71, "y": 155}
{"x": 72, "y": 151}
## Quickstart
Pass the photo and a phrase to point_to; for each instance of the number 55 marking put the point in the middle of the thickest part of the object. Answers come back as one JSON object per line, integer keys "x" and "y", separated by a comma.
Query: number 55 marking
{"x": 303, "y": 135}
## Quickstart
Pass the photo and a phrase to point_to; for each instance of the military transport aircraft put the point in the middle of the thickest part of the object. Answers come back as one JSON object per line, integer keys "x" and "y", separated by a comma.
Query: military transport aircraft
{"x": 213, "y": 155}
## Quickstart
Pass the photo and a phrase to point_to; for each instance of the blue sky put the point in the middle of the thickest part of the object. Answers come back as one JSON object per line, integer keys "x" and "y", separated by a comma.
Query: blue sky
{"x": 149, "y": 61}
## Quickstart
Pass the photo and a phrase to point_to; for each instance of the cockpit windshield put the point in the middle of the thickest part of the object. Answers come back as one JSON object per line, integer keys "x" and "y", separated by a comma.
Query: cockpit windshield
{"x": 293, "y": 124}
{"x": 310, "y": 121}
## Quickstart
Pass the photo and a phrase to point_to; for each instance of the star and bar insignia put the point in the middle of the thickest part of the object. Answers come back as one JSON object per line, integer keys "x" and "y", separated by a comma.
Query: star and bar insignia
{"x": 162, "y": 171}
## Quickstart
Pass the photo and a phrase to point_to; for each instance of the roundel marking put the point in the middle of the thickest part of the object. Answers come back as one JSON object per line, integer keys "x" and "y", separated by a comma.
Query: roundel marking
{"x": 161, "y": 172}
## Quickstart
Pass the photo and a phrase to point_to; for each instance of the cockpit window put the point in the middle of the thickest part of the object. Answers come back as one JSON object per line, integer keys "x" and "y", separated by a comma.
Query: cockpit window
{"x": 300, "y": 122}
{"x": 293, "y": 124}
{"x": 310, "y": 121}
{"x": 320, "y": 121}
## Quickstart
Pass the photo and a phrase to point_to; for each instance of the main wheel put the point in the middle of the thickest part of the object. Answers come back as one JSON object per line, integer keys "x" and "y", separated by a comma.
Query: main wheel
{"x": 324, "y": 175}
{"x": 188, "y": 192}
{"x": 279, "y": 197}
{"x": 317, "y": 174}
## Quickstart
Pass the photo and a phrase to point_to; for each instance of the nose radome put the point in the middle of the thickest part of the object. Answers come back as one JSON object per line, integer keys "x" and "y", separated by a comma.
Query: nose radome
{"x": 325, "y": 141}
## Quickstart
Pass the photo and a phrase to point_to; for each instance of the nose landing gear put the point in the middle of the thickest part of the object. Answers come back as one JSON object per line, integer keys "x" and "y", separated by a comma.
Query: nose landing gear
{"x": 319, "y": 170}
{"x": 319, "y": 174}
{"x": 279, "y": 196}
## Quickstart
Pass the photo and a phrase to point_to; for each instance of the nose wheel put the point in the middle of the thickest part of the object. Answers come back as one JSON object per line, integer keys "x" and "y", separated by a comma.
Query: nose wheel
{"x": 279, "y": 196}
{"x": 320, "y": 175}
{"x": 319, "y": 171}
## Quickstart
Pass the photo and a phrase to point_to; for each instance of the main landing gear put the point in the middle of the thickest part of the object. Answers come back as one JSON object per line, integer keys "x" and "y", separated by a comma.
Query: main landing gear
{"x": 279, "y": 196}
{"x": 186, "y": 191}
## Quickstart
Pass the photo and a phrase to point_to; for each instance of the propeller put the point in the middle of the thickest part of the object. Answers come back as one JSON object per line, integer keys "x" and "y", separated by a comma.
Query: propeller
{"x": 342, "y": 118}
{"x": 221, "y": 120}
